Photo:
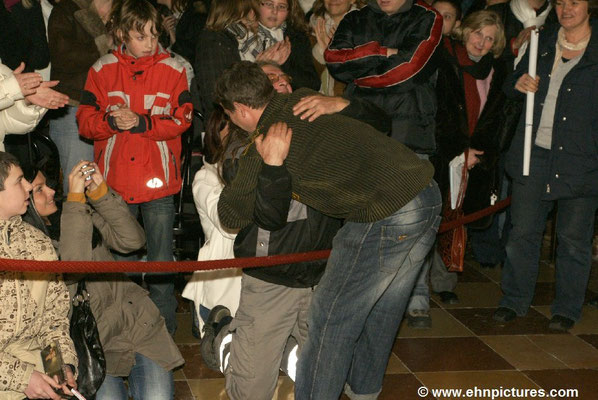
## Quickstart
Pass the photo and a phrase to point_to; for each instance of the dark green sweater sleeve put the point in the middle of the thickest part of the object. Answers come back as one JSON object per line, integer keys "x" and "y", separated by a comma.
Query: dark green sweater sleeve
{"x": 237, "y": 200}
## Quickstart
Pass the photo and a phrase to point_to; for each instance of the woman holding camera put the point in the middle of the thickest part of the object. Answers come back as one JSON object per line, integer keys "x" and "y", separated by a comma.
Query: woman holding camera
{"x": 93, "y": 221}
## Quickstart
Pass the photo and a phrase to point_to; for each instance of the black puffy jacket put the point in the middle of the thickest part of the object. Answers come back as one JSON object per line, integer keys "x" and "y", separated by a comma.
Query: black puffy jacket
{"x": 402, "y": 84}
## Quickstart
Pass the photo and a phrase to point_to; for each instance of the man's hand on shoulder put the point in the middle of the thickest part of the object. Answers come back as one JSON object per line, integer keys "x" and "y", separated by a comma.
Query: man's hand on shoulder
{"x": 274, "y": 147}
{"x": 311, "y": 107}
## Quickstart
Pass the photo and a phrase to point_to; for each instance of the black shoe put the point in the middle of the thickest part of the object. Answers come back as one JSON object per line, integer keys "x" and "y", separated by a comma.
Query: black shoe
{"x": 560, "y": 323}
{"x": 504, "y": 314}
{"x": 594, "y": 302}
{"x": 210, "y": 330}
{"x": 419, "y": 319}
{"x": 448, "y": 297}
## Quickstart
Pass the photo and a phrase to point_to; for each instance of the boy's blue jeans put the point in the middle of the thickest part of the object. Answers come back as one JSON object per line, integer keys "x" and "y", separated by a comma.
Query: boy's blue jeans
{"x": 360, "y": 300}
{"x": 158, "y": 222}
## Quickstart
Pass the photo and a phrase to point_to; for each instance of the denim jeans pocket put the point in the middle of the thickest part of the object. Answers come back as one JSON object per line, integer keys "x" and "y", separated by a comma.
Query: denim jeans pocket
{"x": 396, "y": 242}
{"x": 242, "y": 351}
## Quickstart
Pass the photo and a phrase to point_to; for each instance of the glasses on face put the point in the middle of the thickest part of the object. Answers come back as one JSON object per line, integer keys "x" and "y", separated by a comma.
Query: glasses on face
{"x": 278, "y": 7}
{"x": 276, "y": 77}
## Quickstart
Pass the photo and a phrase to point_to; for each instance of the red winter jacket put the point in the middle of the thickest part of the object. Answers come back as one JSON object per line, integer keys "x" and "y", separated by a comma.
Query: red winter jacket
{"x": 141, "y": 164}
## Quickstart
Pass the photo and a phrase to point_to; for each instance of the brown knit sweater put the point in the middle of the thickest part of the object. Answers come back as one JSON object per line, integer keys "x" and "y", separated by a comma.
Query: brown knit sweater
{"x": 339, "y": 166}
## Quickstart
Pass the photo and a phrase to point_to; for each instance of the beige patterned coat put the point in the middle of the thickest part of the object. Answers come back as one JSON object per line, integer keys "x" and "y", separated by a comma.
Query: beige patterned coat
{"x": 33, "y": 309}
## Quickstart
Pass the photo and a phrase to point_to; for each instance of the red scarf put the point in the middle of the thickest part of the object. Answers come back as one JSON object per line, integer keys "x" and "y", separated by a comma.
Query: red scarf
{"x": 472, "y": 97}
{"x": 8, "y": 4}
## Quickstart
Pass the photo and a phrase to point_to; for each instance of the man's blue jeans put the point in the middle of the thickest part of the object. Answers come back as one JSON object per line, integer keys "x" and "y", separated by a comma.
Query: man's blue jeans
{"x": 360, "y": 300}
{"x": 147, "y": 381}
{"x": 72, "y": 148}
{"x": 575, "y": 227}
{"x": 158, "y": 221}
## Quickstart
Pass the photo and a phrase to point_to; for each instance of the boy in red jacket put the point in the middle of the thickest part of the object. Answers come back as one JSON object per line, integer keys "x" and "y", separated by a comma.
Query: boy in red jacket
{"x": 135, "y": 106}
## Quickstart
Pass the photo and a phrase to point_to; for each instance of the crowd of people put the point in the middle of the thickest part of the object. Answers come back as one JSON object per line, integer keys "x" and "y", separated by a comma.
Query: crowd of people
{"x": 326, "y": 124}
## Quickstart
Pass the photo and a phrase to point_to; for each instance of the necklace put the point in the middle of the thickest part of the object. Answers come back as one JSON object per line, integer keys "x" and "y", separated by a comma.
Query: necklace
{"x": 564, "y": 44}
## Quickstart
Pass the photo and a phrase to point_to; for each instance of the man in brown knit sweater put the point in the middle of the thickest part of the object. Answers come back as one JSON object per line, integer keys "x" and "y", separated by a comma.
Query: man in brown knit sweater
{"x": 345, "y": 169}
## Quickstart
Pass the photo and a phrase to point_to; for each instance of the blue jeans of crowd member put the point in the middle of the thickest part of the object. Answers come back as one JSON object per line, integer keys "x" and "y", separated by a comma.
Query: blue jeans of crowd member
{"x": 575, "y": 227}
{"x": 158, "y": 222}
{"x": 147, "y": 381}
{"x": 72, "y": 148}
{"x": 360, "y": 300}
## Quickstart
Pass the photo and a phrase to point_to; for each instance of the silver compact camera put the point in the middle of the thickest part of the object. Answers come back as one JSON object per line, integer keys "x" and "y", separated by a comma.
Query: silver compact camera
{"x": 88, "y": 172}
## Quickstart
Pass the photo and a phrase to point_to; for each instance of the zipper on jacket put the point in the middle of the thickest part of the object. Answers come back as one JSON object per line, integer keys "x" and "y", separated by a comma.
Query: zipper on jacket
{"x": 99, "y": 157}
{"x": 176, "y": 170}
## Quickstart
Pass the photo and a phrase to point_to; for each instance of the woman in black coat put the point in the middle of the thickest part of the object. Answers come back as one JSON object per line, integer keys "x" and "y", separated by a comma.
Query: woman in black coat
{"x": 229, "y": 36}
{"x": 470, "y": 97}
{"x": 469, "y": 118}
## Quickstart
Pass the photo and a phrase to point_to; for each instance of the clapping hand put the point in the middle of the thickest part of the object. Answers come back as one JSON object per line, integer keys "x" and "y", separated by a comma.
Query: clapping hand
{"x": 28, "y": 81}
{"x": 323, "y": 36}
{"x": 279, "y": 52}
{"x": 47, "y": 97}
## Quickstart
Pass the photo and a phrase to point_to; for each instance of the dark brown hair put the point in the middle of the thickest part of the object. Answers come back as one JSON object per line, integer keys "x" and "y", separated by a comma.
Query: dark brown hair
{"x": 132, "y": 15}
{"x": 7, "y": 161}
{"x": 243, "y": 83}
{"x": 216, "y": 148}
{"x": 592, "y": 6}
{"x": 226, "y": 12}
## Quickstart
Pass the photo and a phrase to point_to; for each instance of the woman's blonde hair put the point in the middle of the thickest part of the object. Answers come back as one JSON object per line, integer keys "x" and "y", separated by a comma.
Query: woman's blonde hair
{"x": 226, "y": 12}
{"x": 479, "y": 20}
{"x": 319, "y": 9}
{"x": 132, "y": 15}
{"x": 27, "y": 4}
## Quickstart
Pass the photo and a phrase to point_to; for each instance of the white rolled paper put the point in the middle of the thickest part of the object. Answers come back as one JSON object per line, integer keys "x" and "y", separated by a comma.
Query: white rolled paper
{"x": 529, "y": 104}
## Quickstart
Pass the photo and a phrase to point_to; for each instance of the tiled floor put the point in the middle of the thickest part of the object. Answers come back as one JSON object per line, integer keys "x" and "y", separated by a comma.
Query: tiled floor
{"x": 464, "y": 348}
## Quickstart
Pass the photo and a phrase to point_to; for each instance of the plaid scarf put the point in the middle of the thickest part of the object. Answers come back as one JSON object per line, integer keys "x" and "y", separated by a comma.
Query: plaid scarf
{"x": 269, "y": 37}
{"x": 249, "y": 45}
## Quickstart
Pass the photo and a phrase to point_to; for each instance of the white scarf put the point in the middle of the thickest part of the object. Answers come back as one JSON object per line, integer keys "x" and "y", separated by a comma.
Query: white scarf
{"x": 562, "y": 43}
{"x": 527, "y": 16}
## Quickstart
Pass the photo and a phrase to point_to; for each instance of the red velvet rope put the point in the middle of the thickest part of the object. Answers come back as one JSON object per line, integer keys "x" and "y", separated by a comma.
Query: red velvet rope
{"x": 188, "y": 266}
{"x": 469, "y": 218}
{"x": 157, "y": 266}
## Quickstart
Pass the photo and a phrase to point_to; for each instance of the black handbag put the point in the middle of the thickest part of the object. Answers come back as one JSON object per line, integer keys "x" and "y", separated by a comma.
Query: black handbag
{"x": 84, "y": 333}
{"x": 483, "y": 188}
